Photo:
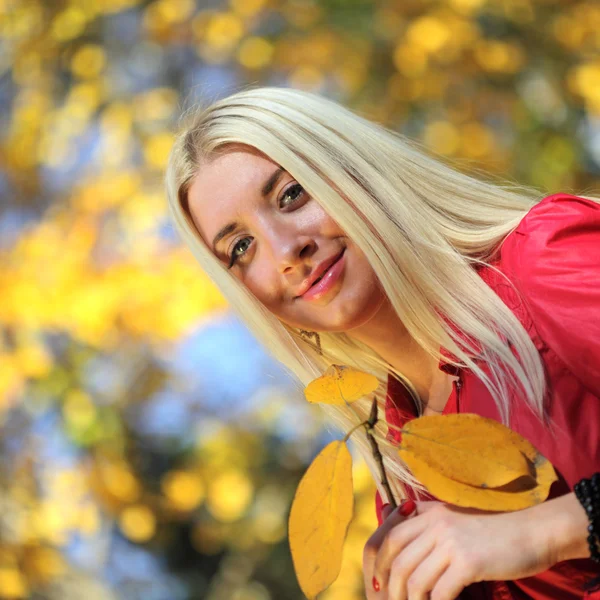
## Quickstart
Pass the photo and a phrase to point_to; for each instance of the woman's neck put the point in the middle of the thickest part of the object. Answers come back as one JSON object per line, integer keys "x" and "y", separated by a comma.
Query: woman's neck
{"x": 385, "y": 334}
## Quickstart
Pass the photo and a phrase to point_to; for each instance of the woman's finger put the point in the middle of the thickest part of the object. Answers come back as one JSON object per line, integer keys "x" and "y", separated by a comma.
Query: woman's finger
{"x": 419, "y": 578}
{"x": 395, "y": 540}
{"x": 451, "y": 583}
{"x": 394, "y": 518}
{"x": 404, "y": 564}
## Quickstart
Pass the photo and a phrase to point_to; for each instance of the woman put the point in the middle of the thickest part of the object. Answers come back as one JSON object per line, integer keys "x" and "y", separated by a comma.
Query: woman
{"x": 414, "y": 291}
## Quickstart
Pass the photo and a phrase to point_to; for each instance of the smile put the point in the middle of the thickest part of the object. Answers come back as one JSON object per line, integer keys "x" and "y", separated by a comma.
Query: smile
{"x": 327, "y": 281}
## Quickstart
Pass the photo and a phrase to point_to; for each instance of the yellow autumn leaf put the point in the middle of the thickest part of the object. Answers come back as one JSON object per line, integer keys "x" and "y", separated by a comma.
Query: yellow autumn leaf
{"x": 467, "y": 448}
{"x": 466, "y": 434}
{"x": 340, "y": 385}
{"x": 321, "y": 512}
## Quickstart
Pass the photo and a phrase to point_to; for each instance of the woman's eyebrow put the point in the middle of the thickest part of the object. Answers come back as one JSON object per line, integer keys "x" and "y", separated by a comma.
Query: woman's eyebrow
{"x": 267, "y": 188}
{"x": 270, "y": 183}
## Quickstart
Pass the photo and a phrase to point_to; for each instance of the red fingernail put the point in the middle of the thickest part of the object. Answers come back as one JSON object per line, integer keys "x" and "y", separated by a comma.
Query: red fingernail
{"x": 384, "y": 507}
{"x": 407, "y": 508}
{"x": 376, "y": 585}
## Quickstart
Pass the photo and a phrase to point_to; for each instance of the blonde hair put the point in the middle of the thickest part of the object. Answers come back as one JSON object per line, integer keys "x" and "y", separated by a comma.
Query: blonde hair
{"x": 422, "y": 225}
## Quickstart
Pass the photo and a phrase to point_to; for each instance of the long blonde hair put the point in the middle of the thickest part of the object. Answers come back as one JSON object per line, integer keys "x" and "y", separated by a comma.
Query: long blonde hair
{"x": 422, "y": 225}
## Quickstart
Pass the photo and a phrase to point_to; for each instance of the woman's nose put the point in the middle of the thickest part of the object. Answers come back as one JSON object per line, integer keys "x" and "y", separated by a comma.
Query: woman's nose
{"x": 293, "y": 253}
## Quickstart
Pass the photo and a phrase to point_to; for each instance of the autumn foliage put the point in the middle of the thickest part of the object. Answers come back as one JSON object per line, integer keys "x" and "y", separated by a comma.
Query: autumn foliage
{"x": 462, "y": 459}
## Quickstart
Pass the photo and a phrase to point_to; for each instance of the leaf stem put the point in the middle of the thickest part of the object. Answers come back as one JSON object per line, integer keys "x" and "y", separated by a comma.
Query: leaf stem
{"x": 377, "y": 454}
{"x": 353, "y": 430}
{"x": 370, "y": 425}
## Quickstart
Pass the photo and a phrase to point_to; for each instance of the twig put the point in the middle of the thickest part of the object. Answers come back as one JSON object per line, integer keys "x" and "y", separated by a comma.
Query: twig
{"x": 370, "y": 424}
{"x": 377, "y": 454}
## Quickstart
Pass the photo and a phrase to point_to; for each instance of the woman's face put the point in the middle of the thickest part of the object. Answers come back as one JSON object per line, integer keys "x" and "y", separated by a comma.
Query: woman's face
{"x": 283, "y": 235}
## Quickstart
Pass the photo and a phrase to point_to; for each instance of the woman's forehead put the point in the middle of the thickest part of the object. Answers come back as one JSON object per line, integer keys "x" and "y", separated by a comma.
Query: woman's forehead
{"x": 222, "y": 187}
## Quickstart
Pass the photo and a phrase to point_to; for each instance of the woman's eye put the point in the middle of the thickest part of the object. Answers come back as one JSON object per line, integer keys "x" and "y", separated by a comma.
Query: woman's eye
{"x": 235, "y": 256}
{"x": 294, "y": 192}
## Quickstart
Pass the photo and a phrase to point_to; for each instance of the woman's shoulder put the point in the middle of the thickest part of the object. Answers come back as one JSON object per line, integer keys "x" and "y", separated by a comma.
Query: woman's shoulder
{"x": 549, "y": 226}
{"x": 561, "y": 229}
{"x": 553, "y": 260}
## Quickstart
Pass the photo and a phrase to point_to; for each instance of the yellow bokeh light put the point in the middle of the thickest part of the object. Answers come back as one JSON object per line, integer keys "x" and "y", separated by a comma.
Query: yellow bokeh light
{"x": 52, "y": 521}
{"x": 519, "y": 11}
{"x": 227, "y": 447}
{"x": 86, "y": 96}
{"x": 269, "y": 527}
{"x": 184, "y": 490}
{"x": 497, "y": 56}
{"x": 177, "y": 11}
{"x": 586, "y": 79}
{"x": 57, "y": 153}
{"x": 27, "y": 68}
{"x": 201, "y": 21}
{"x": 141, "y": 213}
{"x": 79, "y": 409}
{"x": 88, "y": 519}
{"x": 21, "y": 151}
{"x": 89, "y": 61}
{"x": 93, "y": 308}
{"x": 157, "y": 104}
{"x": 442, "y": 137}
{"x": 410, "y": 60}
{"x": 157, "y": 148}
{"x": 138, "y": 523}
{"x": 163, "y": 13}
{"x": 429, "y": 33}
{"x": 247, "y": 8}
{"x": 33, "y": 360}
{"x": 352, "y": 75}
{"x": 223, "y": 30}
{"x": 47, "y": 563}
{"x": 68, "y": 483}
{"x": 306, "y": 77}
{"x": 111, "y": 189}
{"x": 476, "y": 140}
{"x": 466, "y": 7}
{"x": 68, "y": 24}
{"x": 12, "y": 583}
{"x": 255, "y": 53}
{"x": 119, "y": 481}
{"x": 302, "y": 14}
{"x": 30, "y": 109}
{"x": 117, "y": 118}
{"x": 568, "y": 31}
{"x": 20, "y": 20}
{"x": 229, "y": 495}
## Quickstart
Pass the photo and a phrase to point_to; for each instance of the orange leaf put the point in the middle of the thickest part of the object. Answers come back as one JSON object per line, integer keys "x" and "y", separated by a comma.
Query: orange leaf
{"x": 466, "y": 448}
{"x": 321, "y": 512}
{"x": 471, "y": 461}
{"x": 340, "y": 385}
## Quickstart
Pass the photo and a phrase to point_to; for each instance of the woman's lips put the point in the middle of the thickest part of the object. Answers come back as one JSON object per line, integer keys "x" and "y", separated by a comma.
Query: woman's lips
{"x": 319, "y": 289}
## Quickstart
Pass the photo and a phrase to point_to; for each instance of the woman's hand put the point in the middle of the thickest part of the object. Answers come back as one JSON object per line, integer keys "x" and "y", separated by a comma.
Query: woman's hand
{"x": 439, "y": 549}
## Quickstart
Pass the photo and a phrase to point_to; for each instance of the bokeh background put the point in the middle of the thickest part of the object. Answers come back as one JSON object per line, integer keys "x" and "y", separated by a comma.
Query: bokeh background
{"x": 150, "y": 449}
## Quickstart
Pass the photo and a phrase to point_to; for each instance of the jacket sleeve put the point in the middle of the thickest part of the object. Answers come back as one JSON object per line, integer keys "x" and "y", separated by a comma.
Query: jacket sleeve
{"x": 555, "y": 259}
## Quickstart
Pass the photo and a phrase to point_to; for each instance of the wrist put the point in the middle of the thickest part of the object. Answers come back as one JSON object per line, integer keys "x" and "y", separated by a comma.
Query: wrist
{"x": 565, "y": 524}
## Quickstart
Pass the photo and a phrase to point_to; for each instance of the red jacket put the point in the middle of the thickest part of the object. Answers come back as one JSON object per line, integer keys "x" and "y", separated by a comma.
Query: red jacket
{"x": 553, "y": 259}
